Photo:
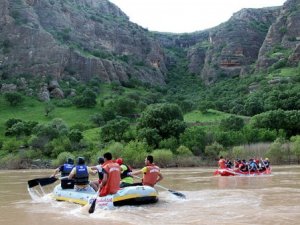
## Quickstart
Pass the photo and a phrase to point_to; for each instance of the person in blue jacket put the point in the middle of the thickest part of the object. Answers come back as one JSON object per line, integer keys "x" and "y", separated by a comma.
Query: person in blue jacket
{"x": 65, "y": 170}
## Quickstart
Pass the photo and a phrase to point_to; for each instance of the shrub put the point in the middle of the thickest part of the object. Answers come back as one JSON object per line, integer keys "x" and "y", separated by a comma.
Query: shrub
{"x": 163, "y": 157}
{"x": 135, "y": 153}
{"x": 61, "y": 158}
{"x": 184, "y": 151}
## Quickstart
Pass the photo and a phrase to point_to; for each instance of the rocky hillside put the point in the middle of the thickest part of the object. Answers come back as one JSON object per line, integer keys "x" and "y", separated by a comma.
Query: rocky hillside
{"x": 82, "y": 39}
{"x": 281, "y": 46}
{"x": 76, "y": 38}
{"x": 230, "y": 49}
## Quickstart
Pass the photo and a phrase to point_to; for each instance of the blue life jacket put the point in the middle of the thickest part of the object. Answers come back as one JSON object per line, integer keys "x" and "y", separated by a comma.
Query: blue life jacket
{"x": 66, "y": 169}
{"x": 82, "y": 175}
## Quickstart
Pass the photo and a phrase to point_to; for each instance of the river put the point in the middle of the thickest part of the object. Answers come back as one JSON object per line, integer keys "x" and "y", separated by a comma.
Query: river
{"x": 262, "y": 200}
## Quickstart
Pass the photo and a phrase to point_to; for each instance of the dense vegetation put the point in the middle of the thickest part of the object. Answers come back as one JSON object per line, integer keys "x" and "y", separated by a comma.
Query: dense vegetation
{"x": 184, "y": 123}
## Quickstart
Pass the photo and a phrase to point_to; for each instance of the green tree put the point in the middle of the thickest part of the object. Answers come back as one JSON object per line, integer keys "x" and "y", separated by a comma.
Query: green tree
{"x": 97, "y": 119}
{"x": 75, "y": 136}
{"x": 114, "y": 130}
{"x": 86, "y": 100}
{"x": 166, "y": 119}
{"x": 13, "y": 98}
{"x": 212, "y": 151}
{"x": 195, "y": 139}
{"x": 49, "y": 107}
{"x": 183, "y": 151}
{"x": 275, "y": 151}
{"x": 295, "y": 146}
{"x": 232, "y": 123}
{"x": 163, "y": 157}
{"x": 135, "y": 153}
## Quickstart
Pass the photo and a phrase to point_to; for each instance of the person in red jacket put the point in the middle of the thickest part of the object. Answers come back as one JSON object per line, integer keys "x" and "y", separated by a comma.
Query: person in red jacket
{"x": 110, "y": 183}
{"x": 151, "y": 172}
{"x": 222, "y": 163}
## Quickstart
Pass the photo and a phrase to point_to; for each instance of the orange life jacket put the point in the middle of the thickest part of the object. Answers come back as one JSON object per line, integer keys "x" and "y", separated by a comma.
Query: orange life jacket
{"x": 112, "y": 185}
{"x": 222, "y": 164}
{"x": 151, "y": 175}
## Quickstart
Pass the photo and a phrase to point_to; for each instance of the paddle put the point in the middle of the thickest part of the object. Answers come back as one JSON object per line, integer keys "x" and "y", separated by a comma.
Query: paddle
{"x": 178, "y": 194}
{"x": 43, "y": 181}
{"x": 93, "y": 205}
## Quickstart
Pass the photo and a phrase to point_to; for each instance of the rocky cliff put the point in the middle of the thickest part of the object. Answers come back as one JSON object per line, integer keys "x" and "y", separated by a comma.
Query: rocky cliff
{"x": 83, "y": 39}
{"x": 228, "y": 50}
{"x": 77, "y": 38}
{"x": 281, "y": 46}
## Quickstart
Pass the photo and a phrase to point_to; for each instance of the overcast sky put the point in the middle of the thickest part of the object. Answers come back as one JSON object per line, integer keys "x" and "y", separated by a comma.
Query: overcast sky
{"x": 181, "y": 16}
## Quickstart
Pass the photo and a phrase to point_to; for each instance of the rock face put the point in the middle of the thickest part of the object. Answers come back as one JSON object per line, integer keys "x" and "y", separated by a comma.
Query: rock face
{"x": 81, "y": 38}
{"x": 282, "y": 44}
{"x": 228, "y": 50}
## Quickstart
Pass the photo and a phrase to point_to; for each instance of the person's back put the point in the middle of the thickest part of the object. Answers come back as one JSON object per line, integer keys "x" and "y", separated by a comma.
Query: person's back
{"x": 111, "y": 176}
{"x": 151, "y": 173}
{"x": 222, "y": 163}
{"x": 80, "y": 174}
{"x": 65, "y": 170}
{"x": 126, "y": 179}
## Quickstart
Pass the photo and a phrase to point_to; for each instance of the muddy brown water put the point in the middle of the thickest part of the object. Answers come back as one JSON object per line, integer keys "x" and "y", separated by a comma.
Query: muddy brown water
{"x": 266, "y": 200}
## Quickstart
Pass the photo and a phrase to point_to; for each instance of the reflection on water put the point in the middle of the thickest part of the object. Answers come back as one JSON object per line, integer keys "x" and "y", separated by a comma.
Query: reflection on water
{"x": 210, "y": 200}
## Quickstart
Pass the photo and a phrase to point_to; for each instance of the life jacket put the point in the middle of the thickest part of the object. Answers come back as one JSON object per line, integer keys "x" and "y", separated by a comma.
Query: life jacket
{"x": 243, "y": 167}
{"x": 150, "y": 177}
{"x": 252, "y": 166}
{"x": 66, "y": 169}
{"x": 125, "y": 172}
{"x": 82, "y": 175}
{"x": 100, "y": 174}
{"x": 222, "y": 164}
{"x": 112, "y": 185}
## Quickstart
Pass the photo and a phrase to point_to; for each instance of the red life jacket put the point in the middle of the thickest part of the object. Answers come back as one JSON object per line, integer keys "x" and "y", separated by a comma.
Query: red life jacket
{"x": 222, "y": 164}
{"x": 113, "y": 178}
{"x": 151, "y": 175}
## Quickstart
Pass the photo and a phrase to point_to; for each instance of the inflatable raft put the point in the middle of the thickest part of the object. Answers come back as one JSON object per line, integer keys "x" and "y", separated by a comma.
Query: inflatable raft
{"x": 135, "y": 195}
{"x": 231, "y": 172}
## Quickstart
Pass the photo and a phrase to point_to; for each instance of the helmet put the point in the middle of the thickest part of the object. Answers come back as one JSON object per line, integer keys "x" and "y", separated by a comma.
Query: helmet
{"x": 267, "y": 159}
{"x": 119, "y": 161}
{"x": 70, "y": 161}
{"x": 80, "y": 161}
{"x": 100, "y": 160}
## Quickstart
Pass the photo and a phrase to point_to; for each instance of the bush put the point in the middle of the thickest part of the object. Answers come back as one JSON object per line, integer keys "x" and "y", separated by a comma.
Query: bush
{"x": 184, "y": 151}
{"x": 163, "y": 157}
{"x": 135, "y": 153}
{"x": 212, "y": 151}
{"x": 61, "y": 158}
{"x": 275, "y": 152}
{"x": 11, "y": 145}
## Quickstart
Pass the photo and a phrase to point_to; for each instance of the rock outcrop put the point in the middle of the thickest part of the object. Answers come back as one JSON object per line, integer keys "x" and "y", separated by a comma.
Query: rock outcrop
{"x": 79, "y": 38}
{"x": 281, "y": 46}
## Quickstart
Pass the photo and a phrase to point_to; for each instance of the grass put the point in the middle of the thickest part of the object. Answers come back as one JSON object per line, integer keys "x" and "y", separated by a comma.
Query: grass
{"x": 211, "y": 116}
{"x": 33, "y": 110}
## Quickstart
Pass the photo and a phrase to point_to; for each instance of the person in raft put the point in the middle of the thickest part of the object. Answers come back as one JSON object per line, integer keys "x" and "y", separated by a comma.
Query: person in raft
{"x": 151, "y": 173}
{"x": 126, "y": 179}
{"x": 110, "y": 183}
{"x": 222, "y": 163}
{"x": 95, "y": 184}
{"x": 80, "y": 174}
{"x": 65, "y": 170}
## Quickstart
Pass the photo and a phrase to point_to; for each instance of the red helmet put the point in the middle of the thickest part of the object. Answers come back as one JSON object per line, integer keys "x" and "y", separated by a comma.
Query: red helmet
{"x": 119, "y": 161}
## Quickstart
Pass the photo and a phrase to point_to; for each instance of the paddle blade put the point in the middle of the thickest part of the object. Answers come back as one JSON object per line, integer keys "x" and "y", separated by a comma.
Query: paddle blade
{"x": 93, "y": 205}
{"x": 41, "y": 181}
{"x": 178, "y": 194}
{"x": 32, "y": 183}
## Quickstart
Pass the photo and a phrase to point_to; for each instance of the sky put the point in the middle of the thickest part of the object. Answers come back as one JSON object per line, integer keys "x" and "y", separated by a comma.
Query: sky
{"x": 180, "y": 16}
